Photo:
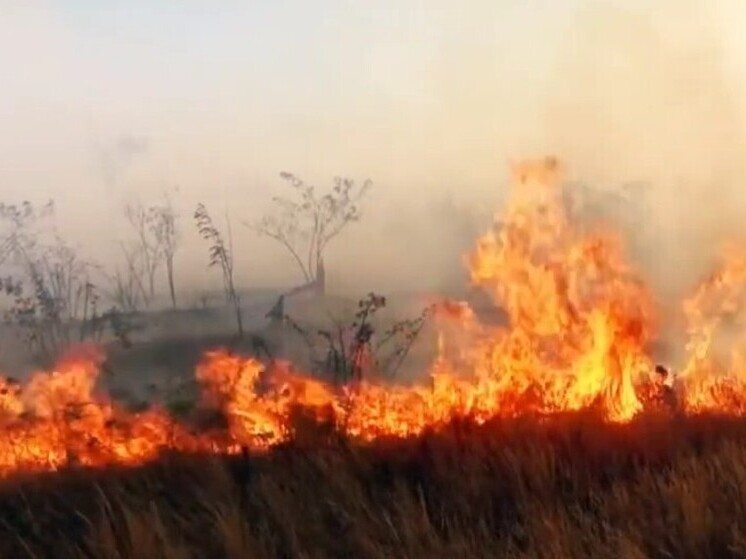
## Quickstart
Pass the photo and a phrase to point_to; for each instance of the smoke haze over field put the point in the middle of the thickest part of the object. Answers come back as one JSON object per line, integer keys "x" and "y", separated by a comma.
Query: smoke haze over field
{"x": 106, "y": 102}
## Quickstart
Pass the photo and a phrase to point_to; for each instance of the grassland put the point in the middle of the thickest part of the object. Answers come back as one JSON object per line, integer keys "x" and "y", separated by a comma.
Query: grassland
{"x": 660, "y": 486}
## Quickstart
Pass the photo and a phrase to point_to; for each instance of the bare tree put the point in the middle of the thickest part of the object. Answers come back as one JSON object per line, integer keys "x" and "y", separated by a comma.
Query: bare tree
{"x": 220, "y": 255}
{"x": 157, "y": 240}
{"x": 306, "y": 223}
{"x": 49, "y": 282}
{"x": 67, "y": 276}
{"x": 164, "y": 227}
{"x": 62, "y": 299}
{"x": 126, "y": 285}
{"x": 140, "y": 219}
{"x": 22, "y": 227}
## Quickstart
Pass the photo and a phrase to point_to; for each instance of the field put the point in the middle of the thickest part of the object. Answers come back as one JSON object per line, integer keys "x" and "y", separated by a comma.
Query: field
{"x": 539, "y": 425}
{"x": 372, "y": 280}
{"x": 572, "y": 486}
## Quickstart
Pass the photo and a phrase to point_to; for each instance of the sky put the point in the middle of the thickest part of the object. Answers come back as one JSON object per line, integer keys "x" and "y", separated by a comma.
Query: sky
{"x": 105, "y": 102}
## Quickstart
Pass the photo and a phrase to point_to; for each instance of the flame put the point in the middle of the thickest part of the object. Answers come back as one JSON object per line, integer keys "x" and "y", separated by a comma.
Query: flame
{"x": 715, "y": 371}
{"x": 57, "y": 420}
{"x": 580, "y": 322}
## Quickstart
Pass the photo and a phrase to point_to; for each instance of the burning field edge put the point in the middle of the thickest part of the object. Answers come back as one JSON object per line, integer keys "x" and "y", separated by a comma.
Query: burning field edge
{"x": 556, "y": 434}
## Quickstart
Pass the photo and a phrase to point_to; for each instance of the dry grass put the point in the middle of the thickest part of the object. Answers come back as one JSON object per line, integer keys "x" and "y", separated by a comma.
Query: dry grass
{"x": 570, "y": 487}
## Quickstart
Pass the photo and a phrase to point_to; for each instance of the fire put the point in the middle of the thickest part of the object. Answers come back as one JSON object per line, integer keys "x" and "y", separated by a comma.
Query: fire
{"x": 580, "y": 319}
{"x": 580, "y": 325}
{"x": 57, "y": 420}
{"x": 259, "y": 419}
{"x": 715, "y": 371}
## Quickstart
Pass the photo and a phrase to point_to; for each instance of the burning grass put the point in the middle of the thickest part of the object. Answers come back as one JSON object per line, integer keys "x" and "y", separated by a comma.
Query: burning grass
{"x": 555, "y": 435}
{"x": 572, "y": 486}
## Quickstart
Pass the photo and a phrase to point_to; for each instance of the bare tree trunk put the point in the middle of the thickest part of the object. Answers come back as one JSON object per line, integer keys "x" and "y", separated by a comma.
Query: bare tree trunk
{"x": 229, "y": 262}
{"x": 84, "y": 322}
{"x": 151, "y": 284}
{"x": 239, "y": 319}
{"x": 320, "y": 278}
{"x": 171, "y": 286}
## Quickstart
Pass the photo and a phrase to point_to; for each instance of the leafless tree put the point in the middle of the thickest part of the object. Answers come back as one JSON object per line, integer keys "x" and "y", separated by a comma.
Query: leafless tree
{"x": 67, "y": 277}
{"x": 31, "y": 246}
{"x": 307, "y": 222}
{"x": 221, "y": 254}
{"x": 164, "y": 227}
{"x": 140, "y": 219}
{"x": 157, "y": 240}
{"x": 22, "y": 227}
{"x": 50, "y": 284}
{"x": 126, "y": 285}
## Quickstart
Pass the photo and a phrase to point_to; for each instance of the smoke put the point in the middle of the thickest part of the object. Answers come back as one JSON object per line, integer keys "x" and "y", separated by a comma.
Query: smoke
{"x": 641, "y": 101}
{"x": 428, "y": 101}
{"x": 651, "y": 95}
{"x": 114, "y": 157}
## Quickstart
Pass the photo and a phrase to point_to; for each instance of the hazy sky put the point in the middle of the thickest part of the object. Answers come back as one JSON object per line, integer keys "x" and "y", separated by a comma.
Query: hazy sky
{"x": 103, "y": 101}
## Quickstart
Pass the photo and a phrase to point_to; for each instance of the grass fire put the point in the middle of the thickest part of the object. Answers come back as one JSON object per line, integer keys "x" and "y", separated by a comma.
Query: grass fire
{"x": 553, "y": 432}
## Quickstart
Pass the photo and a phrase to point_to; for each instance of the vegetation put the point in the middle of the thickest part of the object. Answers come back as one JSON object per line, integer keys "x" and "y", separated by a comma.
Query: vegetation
{"x": 54, "y": 297}
{"x": 55, "y": 293}
{"x": 53, "y": 300}
{"x": 350, "y": 351}
{"x": 572, "y": 487}
{"x": 221, "y": 254}
{"x": 156, "y": 241}
{"x": 307, "y": 222}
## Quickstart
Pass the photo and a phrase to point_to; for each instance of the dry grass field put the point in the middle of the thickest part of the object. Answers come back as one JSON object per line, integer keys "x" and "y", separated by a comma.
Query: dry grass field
{"x": 569, "y": 486}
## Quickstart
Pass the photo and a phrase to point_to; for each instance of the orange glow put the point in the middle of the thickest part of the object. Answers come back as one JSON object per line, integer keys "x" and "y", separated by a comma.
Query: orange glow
{"x": 580, "y": 324}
